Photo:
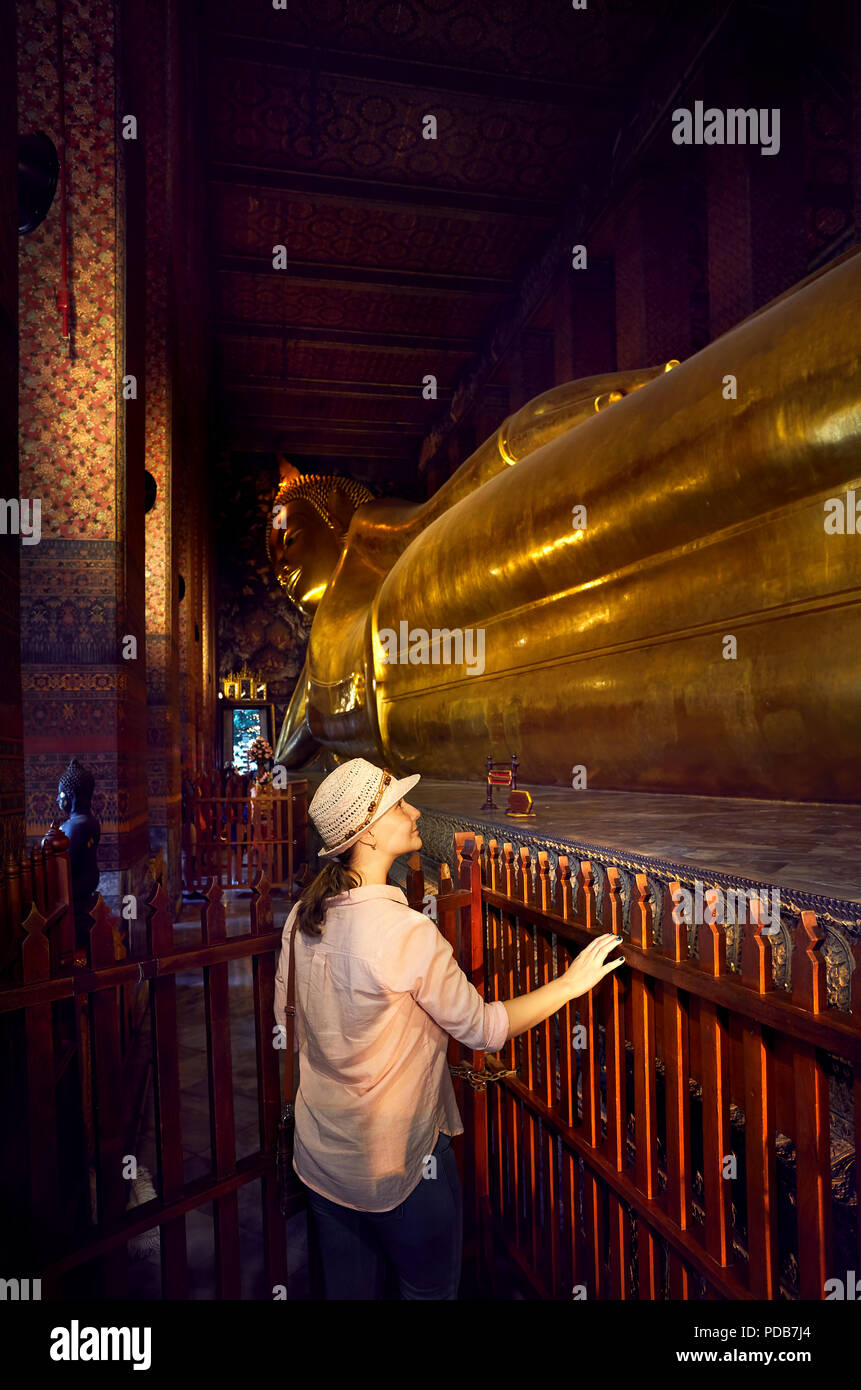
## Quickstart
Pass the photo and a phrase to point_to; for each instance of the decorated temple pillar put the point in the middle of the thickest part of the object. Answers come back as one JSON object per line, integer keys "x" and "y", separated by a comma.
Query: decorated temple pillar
{"x": 197, "y": 726}
{"x": 756, "y": 233}
{"x": 192, "y": 448}
{"x": 147, "y": 54}
{"x": 490, "y": 412}
{"x": 530, "y": 367}
{"x": 653, "y": 288}
{"x": 11, "y": 759}
{"x": 855, "y": 133}
{"x": 459, "y": 445}
{"x": 584, "y": 324}
{"x": 82, "y": 624}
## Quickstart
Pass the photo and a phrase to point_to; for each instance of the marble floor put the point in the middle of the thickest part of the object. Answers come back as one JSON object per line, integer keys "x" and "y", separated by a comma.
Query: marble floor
{"x": 810, "y": 847}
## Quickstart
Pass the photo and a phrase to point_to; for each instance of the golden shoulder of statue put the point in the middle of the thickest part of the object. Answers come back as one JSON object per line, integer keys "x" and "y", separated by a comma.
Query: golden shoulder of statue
{"x": 639, "y": 575}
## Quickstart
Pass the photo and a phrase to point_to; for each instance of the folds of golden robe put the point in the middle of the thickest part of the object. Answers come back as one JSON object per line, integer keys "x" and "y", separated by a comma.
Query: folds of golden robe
{"x": 696, "y": 631}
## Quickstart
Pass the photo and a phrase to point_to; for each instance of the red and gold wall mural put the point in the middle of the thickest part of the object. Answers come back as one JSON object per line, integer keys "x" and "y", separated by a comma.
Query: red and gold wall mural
{"x": 79, "y": 695}
{"x": 102, "y": 571}
{"x": 162, "y": 735}
{"x": 11, "y": 747}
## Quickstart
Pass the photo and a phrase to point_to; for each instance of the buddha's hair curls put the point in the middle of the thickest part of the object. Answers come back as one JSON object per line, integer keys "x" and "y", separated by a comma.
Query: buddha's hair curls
{"x": 79, "y": 784}
{"x": 316, "y": 489}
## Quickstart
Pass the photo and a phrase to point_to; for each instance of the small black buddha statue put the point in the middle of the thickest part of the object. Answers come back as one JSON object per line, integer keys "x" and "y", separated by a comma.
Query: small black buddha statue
{"x": 83, "y": 832}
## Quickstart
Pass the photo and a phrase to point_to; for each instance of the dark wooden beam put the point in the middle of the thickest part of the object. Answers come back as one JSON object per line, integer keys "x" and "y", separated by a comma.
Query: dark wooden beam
{"x": 399, "y": 72}
{"x": 304, "y": 386}
{"x": 283, "y": 199}
{"x": 377, "y": 193}
{"x": 296, "y": 334}
{"x": 274, "y": 439}
{"x": 399, "y": 429}
{"x": 416, "y": 281}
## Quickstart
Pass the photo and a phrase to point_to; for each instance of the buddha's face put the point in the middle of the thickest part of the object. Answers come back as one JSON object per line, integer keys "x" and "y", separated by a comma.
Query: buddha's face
{"x": 304, "y": 553}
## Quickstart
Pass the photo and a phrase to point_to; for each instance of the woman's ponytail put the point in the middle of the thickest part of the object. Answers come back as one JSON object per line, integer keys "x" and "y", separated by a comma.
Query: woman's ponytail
{"x": 336, "y": 877}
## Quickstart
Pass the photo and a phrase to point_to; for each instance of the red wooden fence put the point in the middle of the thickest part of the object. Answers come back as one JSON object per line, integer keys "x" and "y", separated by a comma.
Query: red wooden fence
{"x": 55, "y": 1245}
{"x": 40, "y": 877}
{"x": 49, "y": 1133}
{"x": 598, "y": 1169}
{"x": 605, "y": 1170}
{"x": 46, "y": 1226}
{"x": 234, "y": 830}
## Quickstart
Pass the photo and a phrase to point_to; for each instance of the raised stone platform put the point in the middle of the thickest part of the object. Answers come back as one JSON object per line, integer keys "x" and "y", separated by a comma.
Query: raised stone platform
{"x": 807, "y": 851}
{"x": 702, "y": 840}
{"x": 812, "y": 849}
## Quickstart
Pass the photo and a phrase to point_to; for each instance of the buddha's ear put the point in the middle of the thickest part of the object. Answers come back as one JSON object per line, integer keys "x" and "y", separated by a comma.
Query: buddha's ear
{"x": 287, "y": 472}
{"x": 340, "y": 509}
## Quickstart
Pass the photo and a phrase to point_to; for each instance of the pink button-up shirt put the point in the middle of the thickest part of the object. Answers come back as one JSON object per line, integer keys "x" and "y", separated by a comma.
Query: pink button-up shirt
{"x": 376, "y": 999}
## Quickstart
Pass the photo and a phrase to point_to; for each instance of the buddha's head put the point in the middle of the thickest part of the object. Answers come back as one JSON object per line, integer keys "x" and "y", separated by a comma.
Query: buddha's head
{"x": 75, "y": 791}
{"x": 310, "y": 519}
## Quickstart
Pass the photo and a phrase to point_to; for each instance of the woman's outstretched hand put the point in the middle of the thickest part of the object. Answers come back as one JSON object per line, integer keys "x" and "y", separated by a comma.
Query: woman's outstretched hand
{"x": 589, "y": 969}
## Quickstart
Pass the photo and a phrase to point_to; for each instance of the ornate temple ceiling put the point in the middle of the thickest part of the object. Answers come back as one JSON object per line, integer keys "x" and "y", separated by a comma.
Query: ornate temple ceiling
{"x": 400, "y": 250}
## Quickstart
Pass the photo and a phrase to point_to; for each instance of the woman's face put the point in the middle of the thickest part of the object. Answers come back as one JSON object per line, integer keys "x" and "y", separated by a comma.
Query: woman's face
{"x": 396, "y": 832}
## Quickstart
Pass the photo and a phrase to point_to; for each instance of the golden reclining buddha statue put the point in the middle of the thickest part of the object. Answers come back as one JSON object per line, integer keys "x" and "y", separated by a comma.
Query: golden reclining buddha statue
{"x": 651, "y": 575}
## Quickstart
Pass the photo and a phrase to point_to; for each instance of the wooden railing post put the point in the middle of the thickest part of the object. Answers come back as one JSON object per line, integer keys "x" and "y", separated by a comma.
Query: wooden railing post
{"x": 476, "y": 1172}
{"x": 586, "y": 894}
{"x": 44, "y": 1161}
{"x": 525, "y": 885}
{"x": 616, "y": 1142}
{"x": 509, "y": 871}
{"x": 493, "y": 866}
{"x": 563, "y": 904}
{"x": 287, "y": 830}
{"x": 15, "y": 914}
{"x": 511, "y": 982}
{"x": 570, "y": 1038}
{"x": 216, "y": 994}
{"x": 104, "y": 1015}
{"x": 415, "y": 882}
{"x": 260, "y": 912}
{"x": 165, "y": 1070}
{"x": 714, "y": 1046}
{"x": 759, "y": 1118}
{"x": 812, "y": 1119}
{"x": 677, "y": 1070}
{"x": 547, "y": 1045}
{"x": 645, "y": 1101}
{"x": 58, "y": 889}
{"x": 269, "y": 1050}
{"x": 590, "y": 1128}
{"x": 525, "y": 930}
{"x": 856, "y": 1083}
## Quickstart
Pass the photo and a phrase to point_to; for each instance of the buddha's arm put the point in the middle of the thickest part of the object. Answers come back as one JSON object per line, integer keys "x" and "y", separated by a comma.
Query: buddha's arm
{"x": 296, "y": 744}
{"x": 543, "y": 418}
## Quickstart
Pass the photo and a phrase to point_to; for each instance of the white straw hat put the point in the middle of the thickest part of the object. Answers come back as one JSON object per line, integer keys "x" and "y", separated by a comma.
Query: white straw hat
{"x": 350, "y": 799}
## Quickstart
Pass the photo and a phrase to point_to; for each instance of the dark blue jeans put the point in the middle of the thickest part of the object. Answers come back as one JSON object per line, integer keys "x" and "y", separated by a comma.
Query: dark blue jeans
{"x": 423, "y": 1238}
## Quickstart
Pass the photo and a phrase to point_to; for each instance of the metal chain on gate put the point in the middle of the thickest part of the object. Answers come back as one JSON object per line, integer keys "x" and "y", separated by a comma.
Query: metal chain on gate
{"x": 478, "y": 1077}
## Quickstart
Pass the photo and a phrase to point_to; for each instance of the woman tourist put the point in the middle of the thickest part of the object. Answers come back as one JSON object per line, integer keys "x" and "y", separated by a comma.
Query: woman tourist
{"x": 378, "y": 993}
